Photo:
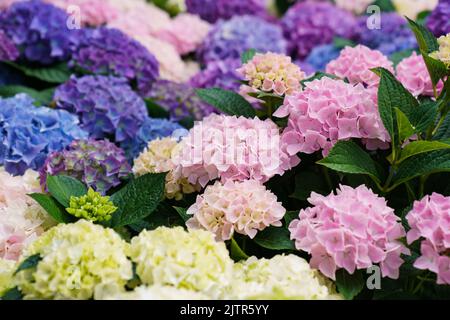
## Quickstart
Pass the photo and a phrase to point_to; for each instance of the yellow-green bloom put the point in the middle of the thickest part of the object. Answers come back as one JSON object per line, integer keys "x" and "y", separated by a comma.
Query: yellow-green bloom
{"x": 158, "y": 292}
{"x": 443, "y": 53}
{"x": 7, "y": 268}
{"x": 92, "y": 206}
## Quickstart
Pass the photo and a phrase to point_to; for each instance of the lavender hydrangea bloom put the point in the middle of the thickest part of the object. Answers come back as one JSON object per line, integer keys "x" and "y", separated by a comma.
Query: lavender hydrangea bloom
{"x": 439, "y": 20}
{"x": 394, "y": 35}
{"x": 321, "y": 55}
{"x": 151, "y": 130}
{"x": 8, "y": 50}
{"x": 28, "y": 133}
{"x": 109, "y": 51}
{"x": 180, "y": 100}
{"x": 309, "y": 24}
{"x": 229, "y": 39}
{"x": 219, "y": 74}
{"x": 106, "y": 105}
{"x": 99, "y": 164}
{"x": 39, "y": 30}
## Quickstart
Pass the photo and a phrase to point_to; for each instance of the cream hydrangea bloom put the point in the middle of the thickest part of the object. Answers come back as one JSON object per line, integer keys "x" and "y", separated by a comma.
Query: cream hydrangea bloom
{"x": 282, "y": 277}
{"x": 158, "y": 292}
{"x": 7, "y": 268}
{"x": 186, "y": 260}
{"x": 78, "y": 260}
{"x": 157, "y": 158}
{"x": 444, "y": 50}
{"x": 411, "y": 8}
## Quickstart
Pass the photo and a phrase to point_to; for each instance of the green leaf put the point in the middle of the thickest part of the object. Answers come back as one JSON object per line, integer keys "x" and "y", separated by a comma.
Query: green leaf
{"x": 348, "y": 157}
{"x": 289, "y": 216}
{"x": 398, "y": 56}
{"x": 349, "y": 285}
{"x": 12, "y": 294}
{"x": 248, "y": 55}
{"x": 405, "y": 128}
{"x": 426, "y": 40}
{"x": 138, "y": 199}
{"x": 422, "y": 16}
{"x": 183, "y": 213}
{"x": 443, "y": 132}
{"x": 52, "y": 207}
{"x": 275, "y": 238}
{"x": 155, "y": 110}
{"x": 28, "y": 263}
{"x": 418, "y": 147}
{"x": 436, "y": 68}
{"x": 63, "y": 187}
{"x": 59, "y": 73}
{"x": 307, "y": 182}
{"x": 236, "y": 253}
{"x": 385, "y": 5}
{"x": 340, "y": 43}
{"x": 317, "y": 76}
{"x": 424, "y": 116}
{"x": 43, "y": 97}
{"x": 227, "y": 101}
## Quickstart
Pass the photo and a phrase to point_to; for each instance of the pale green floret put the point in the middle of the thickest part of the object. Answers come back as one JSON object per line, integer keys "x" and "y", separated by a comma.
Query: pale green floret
{"x": 92, "y": 206}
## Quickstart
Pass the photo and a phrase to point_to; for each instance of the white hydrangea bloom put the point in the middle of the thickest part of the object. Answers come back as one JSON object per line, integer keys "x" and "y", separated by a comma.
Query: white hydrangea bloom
{"x": 158, "y": 292}
{"x": 7, "y": 268}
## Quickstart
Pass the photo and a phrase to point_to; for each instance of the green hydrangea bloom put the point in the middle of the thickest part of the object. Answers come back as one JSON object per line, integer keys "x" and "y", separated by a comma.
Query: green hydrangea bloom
{"x": 158, "y": 292}
{"x": 7, "y": 268}
{"x": 92, "y": 206}
{"x": 79, "y": 261}
{"x": 190, "y": 260}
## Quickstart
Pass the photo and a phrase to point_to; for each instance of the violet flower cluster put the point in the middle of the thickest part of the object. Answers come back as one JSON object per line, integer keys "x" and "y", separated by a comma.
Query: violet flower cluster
{"x": 219, "y": 74}
{"x": 439, "y": 20}
{"x": 8, "y": 50}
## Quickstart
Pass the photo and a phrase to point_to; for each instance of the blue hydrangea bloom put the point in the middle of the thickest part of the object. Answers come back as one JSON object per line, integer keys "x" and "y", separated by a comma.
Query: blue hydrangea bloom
{"x": 28, "y": 133}
{"x": 321, "y": 55}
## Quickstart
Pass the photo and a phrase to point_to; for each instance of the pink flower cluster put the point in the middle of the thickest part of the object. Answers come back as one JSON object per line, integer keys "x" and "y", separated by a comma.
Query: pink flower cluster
{"x": 232, "y": 148}
{"x": 353, "y": 229}
{"x": 412, "y": 72}
{"x": 430, "y": 219}
{"x": 329, "y": 110}
{"x": 272, "y": 72}
{"x": 355, "y": 64}
{"x": 244, "y": 207}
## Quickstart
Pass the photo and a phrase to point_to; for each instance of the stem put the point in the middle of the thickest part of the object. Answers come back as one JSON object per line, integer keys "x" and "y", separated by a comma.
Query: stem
{"x": 441, "y": 121}
{"x": 410, "y": 191}
{"x": 423, "y": 179}
{"x": 388, "y": 181}
{"x": 326, "y": 174}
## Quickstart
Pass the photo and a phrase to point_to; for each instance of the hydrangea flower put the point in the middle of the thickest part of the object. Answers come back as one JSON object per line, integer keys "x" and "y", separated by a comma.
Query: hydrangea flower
{"x": 39, "y": 30}
{"x": 190, "y": 260}
{"x": 22, "y": 220}
{"x": 412, "y": 72}
{"x": 106, "y": 106}
{"x": 109, "y": 51}
{"x": 244, "y": 207}
{"x": 353, "y": 229}
{"x": 438, "y": 21}
{"x": 412, "y": 8}
{"x": 158, "y": 292}
{"x": 327, "y": 111}
{"x": 157, "y": 158}
{"x": 443, "y": 54}
{"x": 92, "y": 206}
{"x": 28, "y": 133}
{"x": 429, "y": 221}
{"x": 219, "y": 74}
{"x": 355, "y": 6}
{"x": 151, "y": 130}
{"x": 8, "y": 50}
{"x": 232, "y": 148}
{"x": 355, "y": 64}
{"x": 7, "y": 268}
{"x": 279, "y": 278}
{"x": 271, "y": 72}
{"x": 230, "y": 39}
{"x": 77, "y": 260}
{"x": 309, "y": 24}
{"x": 99, "y": 164}
{"x": 321, "y": 55}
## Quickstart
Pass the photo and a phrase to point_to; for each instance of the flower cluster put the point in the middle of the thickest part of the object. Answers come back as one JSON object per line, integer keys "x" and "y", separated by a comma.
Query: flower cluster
{"x": 99, "y": 164}
{"x": 229, "y": 39}
{"x": 8, "y": 50}
{"x": 353, "y": 229}
{"x": 232, "y": 148}
{"x": 92, "y": 206}
{"x": 157, "y": 158}
{"x": 321, "y": 55}
{"x": 309, "y": 24}
{"x": 355, "y": 6}
{"x": 245, "y": 207}
{"x": 271, "y": 72}
{"x": 218, "y": 74}
{"x": 430, "y": 219}
{"x": 156, "y": 292}
{"x": 7, "y": 268}
{"x": 412, "y": 8}
{"x": 77, "y": 261}
{"x": 39, "y": 31}
{"x": 186, "y": 260}
{"x": 28, "y": 133}
{"x": 110, "y": 51}
{"x": 443, "y": 54}
{"x": 438, "y": 21}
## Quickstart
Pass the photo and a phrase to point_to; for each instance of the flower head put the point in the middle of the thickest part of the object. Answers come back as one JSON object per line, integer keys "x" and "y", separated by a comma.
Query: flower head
{"x": 412, "y": 8}
{"x": 355, "y": 6}
{"x": 7, "y": 268}
{"x": 92, "y": 206}
{"x": 8, "y": 50}
{"x": 77, "y": 261}
{"x": 438, "y": 21}
{"x": 443, "y": 54}
{"x": 219, "y": 74}
{"x": 157, "y": 292}
{"x": 321, "y": 55}
{"x": 99, "y": 164}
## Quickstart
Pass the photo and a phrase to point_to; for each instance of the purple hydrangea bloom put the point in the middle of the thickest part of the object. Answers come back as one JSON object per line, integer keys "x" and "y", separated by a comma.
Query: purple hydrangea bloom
{"x": 306, "y": 67}
{"x": 321, "y": 55}
{"x": 180, "y": 100}
{"x": 8, "y": 50}
{"x": 229, "y": 39}
{"x": 439, "y": 20}
{"x": 394, "y": 35}
{"x": 39, "y": 30}
{"x": 309, "y": 24}
{"x": 106, "y": 105}
{"x": 213, "y": 10}
{"x": 29, "y": 133}
{"x": 99, "y": 164}
{"x": 110, "y": 51}
{"x": 151, "y": 130}
{"x": 219, "y": 74}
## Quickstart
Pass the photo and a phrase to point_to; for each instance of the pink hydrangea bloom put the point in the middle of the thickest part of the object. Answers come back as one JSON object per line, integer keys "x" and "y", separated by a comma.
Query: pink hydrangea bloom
{"x": 186, "y": 32}
{"x": 413, "y": 74}
{"x": 355, "y": 64}
{"x": 353, "y": 229}
{"x": 232, "y": 148}
{"x": 272, "y": 72}
{"x": 327, "y": 111}
{"x": 430, "y": 219}
{"x": 245, "y": 207}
